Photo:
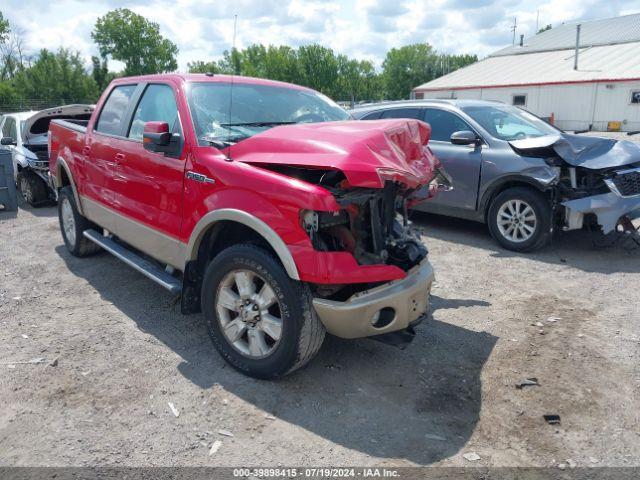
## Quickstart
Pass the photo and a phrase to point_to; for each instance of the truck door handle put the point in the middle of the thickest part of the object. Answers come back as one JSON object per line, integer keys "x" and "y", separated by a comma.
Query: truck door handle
{"x": 119, "y": 157}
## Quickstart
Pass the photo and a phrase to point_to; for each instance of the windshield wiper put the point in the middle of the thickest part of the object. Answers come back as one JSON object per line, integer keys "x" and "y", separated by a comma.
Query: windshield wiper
{"x": 255, "y": 124}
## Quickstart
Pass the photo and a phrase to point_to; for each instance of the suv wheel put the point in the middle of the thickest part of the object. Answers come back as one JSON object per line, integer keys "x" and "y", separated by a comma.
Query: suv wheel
{"x": 32, "y": 187}
{"x": 72, "y": 224}
{"x": 520, "y": 219}
{"x": 262, "y": 322}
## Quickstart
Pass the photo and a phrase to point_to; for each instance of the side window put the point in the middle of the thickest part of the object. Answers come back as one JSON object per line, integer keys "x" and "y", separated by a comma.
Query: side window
{"x": 114, "y": 109}
{"x": 372, "y": 116}
{"x": 444, "y": 124}
{"x": 9, "y": 128}
{"x": 158, "y": 104}
{"x": 415, "y": 113}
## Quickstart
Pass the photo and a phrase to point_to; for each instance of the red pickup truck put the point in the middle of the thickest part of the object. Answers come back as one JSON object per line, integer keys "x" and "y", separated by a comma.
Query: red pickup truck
{"x": 262, "y": 203}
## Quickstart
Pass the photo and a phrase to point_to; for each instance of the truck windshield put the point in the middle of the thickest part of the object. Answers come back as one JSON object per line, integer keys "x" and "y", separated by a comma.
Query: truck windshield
{"x": 509, "y": 123}
{"x": 221, "y": 121}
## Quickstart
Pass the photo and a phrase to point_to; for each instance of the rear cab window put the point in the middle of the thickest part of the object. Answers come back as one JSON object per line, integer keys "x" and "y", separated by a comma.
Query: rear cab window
{"x": 113, "y": 113}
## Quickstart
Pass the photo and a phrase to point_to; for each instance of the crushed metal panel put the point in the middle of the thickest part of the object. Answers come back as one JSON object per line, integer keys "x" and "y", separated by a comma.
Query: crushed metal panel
{"x": 608, "y": 207}
{"x": 581, "y": 151}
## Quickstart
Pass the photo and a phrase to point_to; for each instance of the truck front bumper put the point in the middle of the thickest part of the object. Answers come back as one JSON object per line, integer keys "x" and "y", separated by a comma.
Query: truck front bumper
{"x": 387, "y": 308}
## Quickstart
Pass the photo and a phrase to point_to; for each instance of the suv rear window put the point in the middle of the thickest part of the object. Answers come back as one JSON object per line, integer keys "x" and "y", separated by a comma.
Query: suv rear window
{"x": 112, "y": 114}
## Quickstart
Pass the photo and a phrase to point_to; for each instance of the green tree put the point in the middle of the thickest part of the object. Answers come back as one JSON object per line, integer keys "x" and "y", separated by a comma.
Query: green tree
{"x": 132, "y": 39}
{"x": 100, "y": 72}
{"x": 318, "y": 67}
{"x": 4, "y": 28}
{"x": 545, "y": 28}
{"x": 56, "y": 78}
{"x": 202, "y": 67}
{"x": 407, "y": 67}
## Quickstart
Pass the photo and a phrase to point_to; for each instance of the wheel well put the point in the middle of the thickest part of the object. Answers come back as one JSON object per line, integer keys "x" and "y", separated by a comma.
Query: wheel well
{"x": 505, "y": 186}
{"x": 63, "y": 178}
{"x": 226, "y": 233}
{"x": 219, "y": 236}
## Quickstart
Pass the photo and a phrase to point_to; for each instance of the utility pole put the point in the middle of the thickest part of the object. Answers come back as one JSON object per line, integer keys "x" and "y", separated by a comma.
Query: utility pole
{"x": 513, "y": 29}
{"x": 537, "y": 21}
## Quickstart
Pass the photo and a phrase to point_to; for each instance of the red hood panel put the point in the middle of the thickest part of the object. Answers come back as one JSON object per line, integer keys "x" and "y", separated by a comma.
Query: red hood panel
{"x": 364, "y": 151}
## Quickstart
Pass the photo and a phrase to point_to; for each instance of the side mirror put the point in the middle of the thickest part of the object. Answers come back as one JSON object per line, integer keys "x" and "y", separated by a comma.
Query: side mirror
{"x": 8, "y": 141}
{"x": 464, "y": 137}
{"x": 157, "y": 138}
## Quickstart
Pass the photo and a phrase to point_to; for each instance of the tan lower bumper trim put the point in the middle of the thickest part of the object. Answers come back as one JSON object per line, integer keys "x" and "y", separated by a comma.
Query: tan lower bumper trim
{"x": 409, "y": 298}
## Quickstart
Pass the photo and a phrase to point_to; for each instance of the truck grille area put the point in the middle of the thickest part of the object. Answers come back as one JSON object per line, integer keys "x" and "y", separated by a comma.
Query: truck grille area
{"x": 627, "y": 183}
{"x": 372, "y": 226}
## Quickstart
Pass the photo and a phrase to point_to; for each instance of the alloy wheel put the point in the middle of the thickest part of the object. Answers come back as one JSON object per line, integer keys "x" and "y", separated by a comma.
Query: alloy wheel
{"x": 68, "y": 221}
{"x": 517, "y": 221}
{"x": 249, "y": 313}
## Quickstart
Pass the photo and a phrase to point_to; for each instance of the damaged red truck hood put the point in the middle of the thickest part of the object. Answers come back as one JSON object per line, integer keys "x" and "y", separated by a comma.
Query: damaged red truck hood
{"x": 367, "y": 153}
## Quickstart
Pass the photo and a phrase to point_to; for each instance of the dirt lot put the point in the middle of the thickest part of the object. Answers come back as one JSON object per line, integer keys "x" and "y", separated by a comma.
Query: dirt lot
{"x": 123, "y": 352}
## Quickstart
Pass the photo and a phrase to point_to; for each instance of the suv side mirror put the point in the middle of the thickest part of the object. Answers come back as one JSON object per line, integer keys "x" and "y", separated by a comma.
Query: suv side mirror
{"x": 464, "y": 137}
{"x": 8, "y": 141}
{"x": 157, "y": 138}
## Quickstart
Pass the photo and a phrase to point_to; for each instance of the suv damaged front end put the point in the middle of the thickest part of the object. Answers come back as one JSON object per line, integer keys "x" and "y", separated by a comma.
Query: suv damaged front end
{"x": 378, "y": 275}
{"x": 597, "y": 180}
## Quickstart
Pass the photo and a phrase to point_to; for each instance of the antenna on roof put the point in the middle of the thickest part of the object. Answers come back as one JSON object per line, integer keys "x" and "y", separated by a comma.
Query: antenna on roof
{"x": 233, "y": 71}
{"x": 513, "y": 29}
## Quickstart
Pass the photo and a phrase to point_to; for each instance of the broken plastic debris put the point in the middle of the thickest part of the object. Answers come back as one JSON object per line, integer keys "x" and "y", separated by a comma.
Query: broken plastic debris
{"x": 527, "y": 382}
{"x": 215, "y": 446}
{"x": 269, "y": 417}
{"x": 226, "y": 433}
{"x": 552, "y": 419}
{"x": 471, "y": 456}
{"x": 174, "y": 410}
{"x": 25, "y": 336}
{"x": 553, "y": 319}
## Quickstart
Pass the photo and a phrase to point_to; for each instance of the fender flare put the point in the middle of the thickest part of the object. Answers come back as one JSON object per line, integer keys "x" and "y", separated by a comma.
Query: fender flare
{"x": 61, "y": 164}
{"x": 240, "y": 216}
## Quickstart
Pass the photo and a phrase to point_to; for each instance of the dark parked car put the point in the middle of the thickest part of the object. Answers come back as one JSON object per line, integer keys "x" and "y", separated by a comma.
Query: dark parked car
{"x": 520, "y": 175}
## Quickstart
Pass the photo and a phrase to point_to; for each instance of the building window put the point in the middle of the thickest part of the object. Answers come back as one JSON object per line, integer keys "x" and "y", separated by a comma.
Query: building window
{"x": 419, "y": 95}
{"x": 520, "y": 100}
{"x": 635, "y": 97}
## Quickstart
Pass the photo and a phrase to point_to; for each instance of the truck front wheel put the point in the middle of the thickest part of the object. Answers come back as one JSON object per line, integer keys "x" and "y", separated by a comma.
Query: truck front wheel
{"x": 261, "y": 321}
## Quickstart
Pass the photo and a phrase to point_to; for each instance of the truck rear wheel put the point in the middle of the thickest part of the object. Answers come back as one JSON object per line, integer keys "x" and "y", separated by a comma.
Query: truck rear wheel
{"x": 262, "y": 322}
{"x": 32, "y": 187}
{"x": 72, "y": 224}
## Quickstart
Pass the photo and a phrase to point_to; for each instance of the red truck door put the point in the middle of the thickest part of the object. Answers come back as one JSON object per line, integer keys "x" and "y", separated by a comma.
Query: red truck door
{"x": 148, "y": 186}
{"x": 104, "y": 143}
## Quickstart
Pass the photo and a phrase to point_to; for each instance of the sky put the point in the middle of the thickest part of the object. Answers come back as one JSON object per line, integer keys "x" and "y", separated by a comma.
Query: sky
{"x": 363, "y": 29}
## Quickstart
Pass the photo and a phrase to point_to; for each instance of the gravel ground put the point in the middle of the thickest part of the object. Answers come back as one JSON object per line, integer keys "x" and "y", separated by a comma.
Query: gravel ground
{"x": 122, "y": 352}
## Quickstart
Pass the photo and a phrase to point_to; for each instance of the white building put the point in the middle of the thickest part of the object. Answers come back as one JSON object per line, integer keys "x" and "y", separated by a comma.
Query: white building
{"x": 540, "y": 76}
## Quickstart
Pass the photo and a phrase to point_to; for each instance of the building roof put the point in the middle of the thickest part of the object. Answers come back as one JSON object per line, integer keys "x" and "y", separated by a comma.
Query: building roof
{"x": 607, "y": 31}
{"x": 550, "y": 59}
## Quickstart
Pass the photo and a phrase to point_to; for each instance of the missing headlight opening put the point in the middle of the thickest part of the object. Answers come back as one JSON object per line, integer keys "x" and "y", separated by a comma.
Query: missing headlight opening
{"x": 372, "y": 225}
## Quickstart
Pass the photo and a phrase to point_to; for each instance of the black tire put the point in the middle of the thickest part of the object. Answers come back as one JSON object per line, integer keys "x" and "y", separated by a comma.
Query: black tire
{"x": 77, "y": 244}
{"x": 302, "y": 333}
{"x": 541, "y": 226}
{"x": 32, "y": 187}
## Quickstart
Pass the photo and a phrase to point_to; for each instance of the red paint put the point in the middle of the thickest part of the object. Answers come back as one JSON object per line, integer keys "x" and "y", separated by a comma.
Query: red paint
{"x": 509, "y": 85}
{"x": 152, "y": 189}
